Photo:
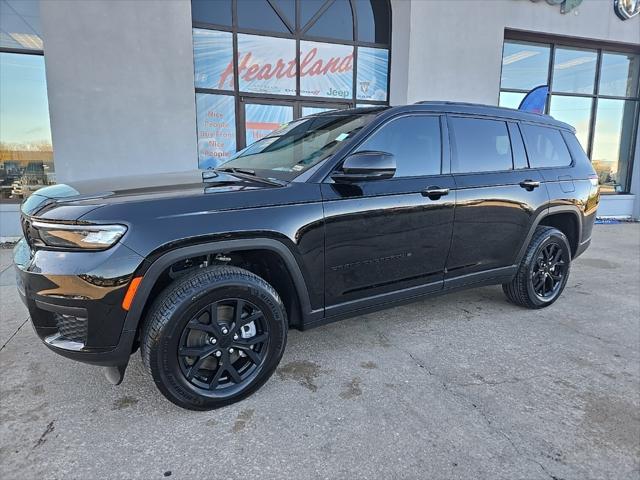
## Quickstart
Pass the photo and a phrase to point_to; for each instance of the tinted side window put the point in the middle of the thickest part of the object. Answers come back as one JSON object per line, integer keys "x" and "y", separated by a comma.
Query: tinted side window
{"x": 545, "y": 147}
{"x": 414, "y": 141}
{"x": 480, "y": 145}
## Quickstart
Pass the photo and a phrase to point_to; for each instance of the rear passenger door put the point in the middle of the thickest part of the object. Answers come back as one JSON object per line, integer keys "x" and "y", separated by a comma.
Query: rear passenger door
{"x": 497, "y": 197}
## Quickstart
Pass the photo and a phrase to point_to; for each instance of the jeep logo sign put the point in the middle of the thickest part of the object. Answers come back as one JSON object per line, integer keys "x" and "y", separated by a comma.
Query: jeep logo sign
{"x": 625, "y": 9}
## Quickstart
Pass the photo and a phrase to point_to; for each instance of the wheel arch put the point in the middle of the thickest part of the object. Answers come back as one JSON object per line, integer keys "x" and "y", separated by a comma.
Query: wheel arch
{"x": 153, "y": 274}
{"x": 566, "y": 218}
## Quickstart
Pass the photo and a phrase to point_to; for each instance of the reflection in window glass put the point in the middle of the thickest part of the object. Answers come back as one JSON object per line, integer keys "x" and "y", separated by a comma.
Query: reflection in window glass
{"x": 296, "y": 147}
{"x": 612, "y": 142}
{"x": 213, "y": 59}
{"x": 308, "y": 8}
{"x": 373, "y": 71}
{"x": 373, "y": 20}
{"x": 20, "y": 25}
{"x": 576, "y": 111}
{"x": 480, "y": 145}
{"x": 511, "y": 99}
{"x": 545, "y": 147}
{"x": 288, "y": 9}
{"x": 619, "y": 74}
{"x": 336, "y": 22}
{"x": 326, "y": 70}
{"x": 258, "y": 15}
{"x": 216, "y": 123}
{"x": 415, "y": 143}
{"x": 26, "y": 155}
{"x": 260, "y": 120}
{"x": 266, "y": 64}
{"x": 524, "y": 65}
{"x": 211, "y": 11}
{"x": 574, "y": 70}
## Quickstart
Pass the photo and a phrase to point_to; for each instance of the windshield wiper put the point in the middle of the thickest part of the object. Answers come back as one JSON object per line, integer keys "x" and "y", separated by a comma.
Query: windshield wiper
{"x": 246, "y": 171}
{"x": 251, "y": 174}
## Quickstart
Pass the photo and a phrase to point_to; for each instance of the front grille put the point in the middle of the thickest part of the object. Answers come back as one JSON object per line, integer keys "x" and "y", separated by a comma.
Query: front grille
{"x": 72, "y": 328}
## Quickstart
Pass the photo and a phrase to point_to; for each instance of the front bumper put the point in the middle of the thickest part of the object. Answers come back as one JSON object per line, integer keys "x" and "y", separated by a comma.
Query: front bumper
{"x": 74, "y": 300}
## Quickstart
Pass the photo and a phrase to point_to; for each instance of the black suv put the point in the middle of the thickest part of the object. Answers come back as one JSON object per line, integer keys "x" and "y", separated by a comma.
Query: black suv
{"x": 331, "y": 216}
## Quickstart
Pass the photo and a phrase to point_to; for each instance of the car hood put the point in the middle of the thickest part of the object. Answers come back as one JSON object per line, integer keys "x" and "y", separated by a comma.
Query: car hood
{"x": 70, "y": 201}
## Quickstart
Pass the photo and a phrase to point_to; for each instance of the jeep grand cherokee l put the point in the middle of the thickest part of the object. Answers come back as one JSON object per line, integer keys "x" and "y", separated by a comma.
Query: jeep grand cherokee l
{"x": 331, "y": 216}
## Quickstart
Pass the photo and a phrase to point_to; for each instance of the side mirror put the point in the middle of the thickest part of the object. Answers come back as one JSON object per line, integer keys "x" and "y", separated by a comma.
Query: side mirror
{"x": 366, "y": 166}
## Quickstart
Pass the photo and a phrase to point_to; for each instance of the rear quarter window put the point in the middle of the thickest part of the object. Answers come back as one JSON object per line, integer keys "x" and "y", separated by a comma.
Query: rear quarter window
{"x": 480, "y": 145}
{"x": 545, "y": 147}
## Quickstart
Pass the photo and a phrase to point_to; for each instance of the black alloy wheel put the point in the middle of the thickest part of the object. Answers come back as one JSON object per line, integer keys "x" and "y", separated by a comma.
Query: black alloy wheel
{"x": 224, "y": 345}
{"x": 548, "y": 271}
{"x": 213, "y": 337}
{"x": 543, "y": 271}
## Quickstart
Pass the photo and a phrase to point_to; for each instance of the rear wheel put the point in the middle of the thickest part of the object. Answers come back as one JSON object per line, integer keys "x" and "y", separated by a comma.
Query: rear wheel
{"x": 214, "y": 337}
{"x": 543, "y": 272}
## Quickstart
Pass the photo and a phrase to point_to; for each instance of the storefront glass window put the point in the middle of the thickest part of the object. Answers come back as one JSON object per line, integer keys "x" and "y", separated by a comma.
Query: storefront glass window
{"x": 613, "y": 142}
{"x": 26, "y": 154}
{"x": 574, "y": 70}
{"x": 524, "y": 65}
{"x": 511, "y": 99}
{"x": 213, "y": 59}
{"x": 216, "y": 122}
{"x": 214, "y": 12}
{"x": 20, "y": 25}
{"x": 336, "y": 22}
{"x": 594, "y": 90}
{"x": 373, "y": 70}
{"x": 575, "y": 111}
{"x": 266, "y": 65}
{"x": 619, "y": 74}
{"x": 258, "y": 63}
{"x": 326, "y": 70}
{"x": 260, "y": 120}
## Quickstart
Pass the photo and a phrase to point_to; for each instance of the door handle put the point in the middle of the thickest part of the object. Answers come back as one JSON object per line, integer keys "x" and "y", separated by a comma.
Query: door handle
{"x": 434, "y": 193}
{"x": 529, "y": 185}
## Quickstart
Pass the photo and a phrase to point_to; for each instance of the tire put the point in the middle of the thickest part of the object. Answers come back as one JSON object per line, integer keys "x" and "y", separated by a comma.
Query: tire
{"x": 192, "y": 358}
{"x": 538, "y": 273}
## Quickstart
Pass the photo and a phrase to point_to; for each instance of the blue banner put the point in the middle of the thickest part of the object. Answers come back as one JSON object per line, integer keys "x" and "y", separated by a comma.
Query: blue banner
{"x": 536, "y": 100}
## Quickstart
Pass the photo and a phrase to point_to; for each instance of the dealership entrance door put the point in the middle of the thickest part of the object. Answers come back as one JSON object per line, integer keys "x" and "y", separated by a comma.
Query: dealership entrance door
{"x": 261, "y": 116}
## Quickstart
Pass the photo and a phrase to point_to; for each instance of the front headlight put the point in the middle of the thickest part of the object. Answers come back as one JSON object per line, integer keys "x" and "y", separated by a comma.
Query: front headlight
{"x": 86, "y": 237}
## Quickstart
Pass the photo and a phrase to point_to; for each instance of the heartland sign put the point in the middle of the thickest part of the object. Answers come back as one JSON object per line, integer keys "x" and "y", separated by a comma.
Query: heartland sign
{"x": 251, "y": 68}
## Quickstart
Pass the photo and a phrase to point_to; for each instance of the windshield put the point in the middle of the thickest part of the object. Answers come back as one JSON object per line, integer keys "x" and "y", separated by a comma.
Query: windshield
{"x": 287, "y": 152}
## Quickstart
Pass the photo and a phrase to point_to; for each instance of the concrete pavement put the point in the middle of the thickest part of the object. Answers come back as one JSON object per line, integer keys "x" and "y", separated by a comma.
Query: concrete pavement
{"x": 459, "y": 386}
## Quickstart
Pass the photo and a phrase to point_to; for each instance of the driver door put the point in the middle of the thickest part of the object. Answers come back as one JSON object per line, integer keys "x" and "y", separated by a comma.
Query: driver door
{"x": 388, "y": 237}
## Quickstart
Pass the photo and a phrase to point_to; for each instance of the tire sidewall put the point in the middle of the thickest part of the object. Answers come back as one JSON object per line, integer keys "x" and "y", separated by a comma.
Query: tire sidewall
{"x": 557, "y": 237}
{"x": 164, "y": 358}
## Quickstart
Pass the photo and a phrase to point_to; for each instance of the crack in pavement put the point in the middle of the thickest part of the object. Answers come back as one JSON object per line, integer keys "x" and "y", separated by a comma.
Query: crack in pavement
{"x": 589, "y": 335}
{"x": 464, "y": 399}
{"x": 14, "y": 334}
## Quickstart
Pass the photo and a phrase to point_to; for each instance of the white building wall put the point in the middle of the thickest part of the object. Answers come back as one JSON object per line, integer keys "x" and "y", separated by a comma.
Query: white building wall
{"x": 455, "y": 50}
{"x": 120, "y": 85}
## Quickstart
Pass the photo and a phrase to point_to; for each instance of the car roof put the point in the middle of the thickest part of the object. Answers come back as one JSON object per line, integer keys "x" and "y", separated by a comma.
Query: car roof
{"x": 457, "y": 107}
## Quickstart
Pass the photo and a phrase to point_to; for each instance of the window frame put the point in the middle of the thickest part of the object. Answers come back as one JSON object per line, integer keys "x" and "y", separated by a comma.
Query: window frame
{"x": 554, "y": 42}
{"x": 298, "y": 34}
{"x": 443, "y": 132}
{"x": 454, "y": 151}
{"x": 21, "y": 51}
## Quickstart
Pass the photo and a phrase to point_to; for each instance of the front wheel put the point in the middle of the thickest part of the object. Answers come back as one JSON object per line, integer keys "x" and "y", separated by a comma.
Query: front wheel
{"x": 214, "y": 337}
{"x": 543, "y": 272}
